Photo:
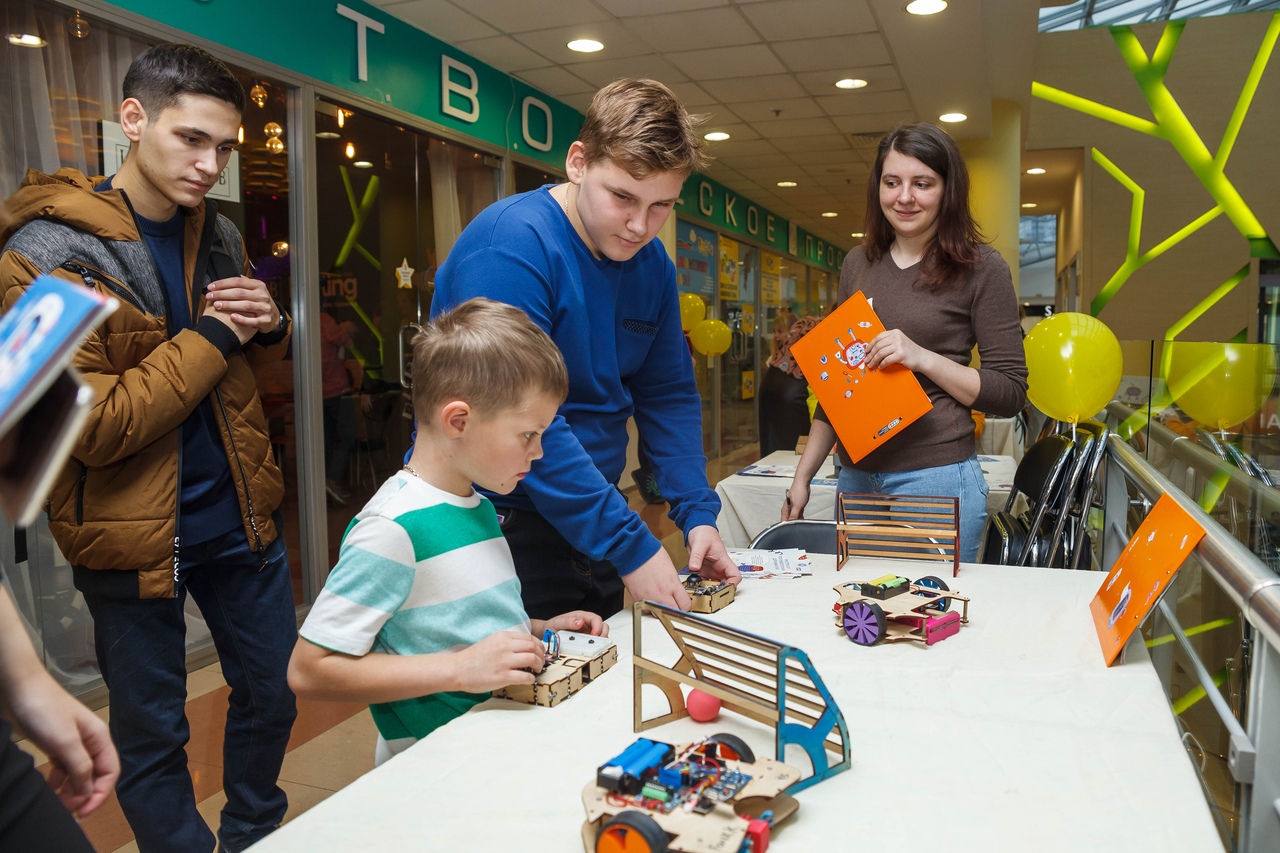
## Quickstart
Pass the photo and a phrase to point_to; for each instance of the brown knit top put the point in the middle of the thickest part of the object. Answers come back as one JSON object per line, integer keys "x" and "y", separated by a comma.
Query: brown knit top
{"x": 980, "y": 309}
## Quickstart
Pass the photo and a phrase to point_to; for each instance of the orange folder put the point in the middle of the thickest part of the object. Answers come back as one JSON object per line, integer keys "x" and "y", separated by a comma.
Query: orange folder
{"x": 866, "y": 407}
{"x": 1141, "y": 573}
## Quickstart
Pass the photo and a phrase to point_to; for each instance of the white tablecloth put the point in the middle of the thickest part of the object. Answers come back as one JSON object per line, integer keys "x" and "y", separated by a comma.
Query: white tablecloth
{"x": 749, "y": 503}
{"x": 1010, "y": 736}
{"x": 1000, "y": 437}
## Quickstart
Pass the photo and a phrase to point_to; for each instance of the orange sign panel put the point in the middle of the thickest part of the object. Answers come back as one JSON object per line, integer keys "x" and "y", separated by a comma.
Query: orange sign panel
{"x": 866, "y": 407}
{"x": 1141, "y": 573}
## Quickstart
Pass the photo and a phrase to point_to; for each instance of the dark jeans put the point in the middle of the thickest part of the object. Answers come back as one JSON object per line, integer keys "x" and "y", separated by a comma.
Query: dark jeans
{"x": 31, "y": 818}
{"x": 247, "y": 601}
{"x": 784, "y": 411}
{"x": 554, "y": 576}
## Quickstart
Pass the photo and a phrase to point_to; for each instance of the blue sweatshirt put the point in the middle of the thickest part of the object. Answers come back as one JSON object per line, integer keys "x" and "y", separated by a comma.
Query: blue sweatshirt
{"x": 618, "y": 326}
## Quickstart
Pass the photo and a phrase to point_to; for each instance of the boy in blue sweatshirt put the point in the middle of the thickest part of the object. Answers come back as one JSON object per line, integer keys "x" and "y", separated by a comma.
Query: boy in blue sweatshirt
{"x": 579, "y": 258}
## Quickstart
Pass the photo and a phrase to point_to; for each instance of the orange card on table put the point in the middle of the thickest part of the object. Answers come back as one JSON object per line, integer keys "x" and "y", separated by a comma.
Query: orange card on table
{"x": 866, "y": 407}
{"x": 1142, "y": 573}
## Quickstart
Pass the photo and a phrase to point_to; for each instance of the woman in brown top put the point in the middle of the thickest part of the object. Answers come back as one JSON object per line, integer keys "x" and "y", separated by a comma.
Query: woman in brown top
{"x": 939, "y": 290}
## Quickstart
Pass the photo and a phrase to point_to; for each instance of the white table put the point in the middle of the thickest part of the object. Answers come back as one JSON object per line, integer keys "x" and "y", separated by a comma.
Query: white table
{"x": 749, "y": 503}
{"x": 1012, "y": 735}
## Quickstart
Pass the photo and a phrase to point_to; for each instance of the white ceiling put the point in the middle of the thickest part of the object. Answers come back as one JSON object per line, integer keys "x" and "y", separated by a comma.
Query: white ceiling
{"x": 764, "y": 72}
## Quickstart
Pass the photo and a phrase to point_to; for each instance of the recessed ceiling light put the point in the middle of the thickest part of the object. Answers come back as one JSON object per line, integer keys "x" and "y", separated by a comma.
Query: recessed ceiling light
{"x": 926, "y": 7}
{"x": 26, "y": 40}
{"x": 951, "y": 118}
{"x": 326, "y": 134}
{"x": 857, "y": 234}
{"x": 850, "y": 83}
{"x": 362, "y": 164}
{"x": 827, "y": 214}
{"x": 716, "y": 136}
{"x": 585, "y": 45}
{"x": 1036, "y": 171}
{"x": 1028, "y": 204}
{"x": 786, "y": 183}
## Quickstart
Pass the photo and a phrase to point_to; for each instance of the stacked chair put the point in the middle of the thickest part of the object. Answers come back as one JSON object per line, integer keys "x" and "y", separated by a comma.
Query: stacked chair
{"x": 1058, "y": 480}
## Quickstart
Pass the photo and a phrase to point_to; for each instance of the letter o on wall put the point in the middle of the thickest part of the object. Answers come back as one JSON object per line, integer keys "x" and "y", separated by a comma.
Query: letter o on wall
{"x": 540, "y": 145}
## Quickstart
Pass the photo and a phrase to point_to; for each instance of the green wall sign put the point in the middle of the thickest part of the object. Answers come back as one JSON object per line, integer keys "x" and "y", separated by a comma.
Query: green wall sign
{"x": 363, "y": 50}
{"x": 710, "y": 201}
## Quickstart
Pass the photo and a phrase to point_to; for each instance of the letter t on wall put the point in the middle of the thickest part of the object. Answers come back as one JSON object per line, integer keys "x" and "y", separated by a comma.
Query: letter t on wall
{"x": 363, "y": 24}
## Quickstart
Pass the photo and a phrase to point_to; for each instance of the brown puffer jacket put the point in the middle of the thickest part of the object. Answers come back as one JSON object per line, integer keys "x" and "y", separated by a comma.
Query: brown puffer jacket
{"x": 114, "y": 507}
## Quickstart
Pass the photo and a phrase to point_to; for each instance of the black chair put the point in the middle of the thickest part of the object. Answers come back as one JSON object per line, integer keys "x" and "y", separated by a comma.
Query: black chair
{"x": 1041, "y": 478}
{"x": 1070, "y": 540}
{"x": 813, "y": 535}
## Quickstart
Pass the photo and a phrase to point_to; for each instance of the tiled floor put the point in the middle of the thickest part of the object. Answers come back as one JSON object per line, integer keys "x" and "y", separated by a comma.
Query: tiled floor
{"x": 332, "y": 742}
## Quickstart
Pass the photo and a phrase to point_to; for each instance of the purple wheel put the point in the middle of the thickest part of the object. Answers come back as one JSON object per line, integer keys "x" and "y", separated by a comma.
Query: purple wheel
{"x": 864, "y": 622}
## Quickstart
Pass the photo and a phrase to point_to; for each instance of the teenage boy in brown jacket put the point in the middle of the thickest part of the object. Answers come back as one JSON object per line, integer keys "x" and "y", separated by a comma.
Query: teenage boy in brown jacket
{"x": 171, "y": 488}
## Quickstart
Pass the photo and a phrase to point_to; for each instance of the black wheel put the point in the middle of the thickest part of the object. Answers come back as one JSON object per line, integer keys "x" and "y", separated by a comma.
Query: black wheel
{"x": 942, "y": 605}
{"x": 733, "y": 747}
{"x": 864, "y": 622}
{"x": 631, "y": 832}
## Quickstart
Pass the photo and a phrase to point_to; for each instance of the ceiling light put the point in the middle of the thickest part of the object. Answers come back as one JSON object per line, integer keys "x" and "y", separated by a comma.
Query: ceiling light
{"x": 716, "y": 136}
{"x": 351, "y": 151}
{"x": 362, "y": 164}
{"x": 258, "y": 94}
{"x": 26, "y": 40}
{"x": 926, "y": 7}
{"x": 326, "y": 134}
{"x": 585, "y": 45}
{"x": 829, "y": 214}
{"x": 1036, "y": 171}
{"x": 1028, "y": 204}
{"x": 858, "y": 234}
{"x": 850, "y": 83}
{"x": 342, "y": 117}
{"x": 786, "y": 183}
{"x": 240, "y": 135}
{"x": 951, "y": 118}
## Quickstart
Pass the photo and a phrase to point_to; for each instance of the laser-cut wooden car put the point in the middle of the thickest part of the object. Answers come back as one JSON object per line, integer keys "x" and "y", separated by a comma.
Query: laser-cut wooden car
{"x": 893, "y": 609}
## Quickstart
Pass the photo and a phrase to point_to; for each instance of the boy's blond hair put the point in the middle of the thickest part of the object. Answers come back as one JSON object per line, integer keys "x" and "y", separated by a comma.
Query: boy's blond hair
{"x": 642, "y": 127}
{"x": 487, "y": 354}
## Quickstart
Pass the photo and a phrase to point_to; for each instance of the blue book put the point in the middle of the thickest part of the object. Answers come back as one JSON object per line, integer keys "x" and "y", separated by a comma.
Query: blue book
{"x": 43, "y": 402}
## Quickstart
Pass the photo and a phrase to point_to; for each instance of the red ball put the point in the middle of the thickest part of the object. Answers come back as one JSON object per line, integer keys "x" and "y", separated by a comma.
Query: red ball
{"x": 703, "y": 707}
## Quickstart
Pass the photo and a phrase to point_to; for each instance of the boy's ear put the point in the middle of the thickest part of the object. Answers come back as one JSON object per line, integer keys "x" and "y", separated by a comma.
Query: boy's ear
{"x": 575, "y": 162}
{"x": 454, "y": 417}
{"x": 133, "y": 118}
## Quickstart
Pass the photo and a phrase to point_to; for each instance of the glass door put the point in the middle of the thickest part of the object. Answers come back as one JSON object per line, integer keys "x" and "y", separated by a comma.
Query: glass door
{"x": 739, "y": 280}
{"x": 392, "y": 200}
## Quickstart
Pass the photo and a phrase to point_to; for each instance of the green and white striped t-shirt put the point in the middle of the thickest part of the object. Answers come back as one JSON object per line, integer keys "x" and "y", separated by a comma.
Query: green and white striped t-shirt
{"x": 419, "y": 571}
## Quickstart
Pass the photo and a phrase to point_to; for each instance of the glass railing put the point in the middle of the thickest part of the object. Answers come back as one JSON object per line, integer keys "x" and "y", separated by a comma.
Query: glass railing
{"x": 1215, "y": 638}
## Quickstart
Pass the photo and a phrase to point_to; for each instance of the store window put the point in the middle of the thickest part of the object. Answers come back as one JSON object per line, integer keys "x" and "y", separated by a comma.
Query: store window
{"x": 392, "y": 201}
{"x": 528, "y": 178}
{"x": 61, "y": 99}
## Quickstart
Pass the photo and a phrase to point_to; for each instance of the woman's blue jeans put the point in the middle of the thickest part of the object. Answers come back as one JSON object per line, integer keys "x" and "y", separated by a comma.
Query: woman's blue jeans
{"x": 247, "y": 602}
{"x": 963, "y": 480}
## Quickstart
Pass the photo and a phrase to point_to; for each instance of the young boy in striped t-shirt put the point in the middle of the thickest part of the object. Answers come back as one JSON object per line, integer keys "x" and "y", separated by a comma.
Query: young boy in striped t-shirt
{"x": 421, "y": 617}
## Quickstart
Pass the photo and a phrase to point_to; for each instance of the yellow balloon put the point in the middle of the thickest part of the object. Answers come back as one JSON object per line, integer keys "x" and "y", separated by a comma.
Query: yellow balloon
{"x": 1074, "y": 365}
{"x": 692, "y": 310}
{"x": 1219, "y": 384}
{"x": 711, "y": 337}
